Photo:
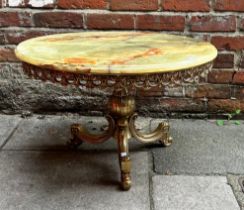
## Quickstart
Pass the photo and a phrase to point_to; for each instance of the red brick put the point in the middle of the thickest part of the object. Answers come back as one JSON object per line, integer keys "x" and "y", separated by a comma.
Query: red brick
{"x": 224, "y": 61}
{"x": 208, "y": 91}
{"x": 160, "y": 23}
{"x": 238, "y": 78}
{"x": 82, "y": 4}
{"x": 110, "y": 21}
{"x": 153, "y": 92}
{"x": 15, "y": 37}
{"x": 220, "y": 77}
{"x": 7, "y": 54}
{"x": 59, "y": 19}
{"x": 144, "y": 5}
{"x": 228, "y": 43}
{"x": 241, "y": 65}
{"x": 15, "y": 19}
{"x": 242, "y": 24}
{"x": 238, "y": 92}
{"x": 186, "y": 5}
{"x": 182, "y": 105}
{"x": 175, "y": 91}
{"x": 2, "y": 38}
{"x": 225, "y": 105}
{"x": 213, "y": 23}
{"x": 229, "y": 5}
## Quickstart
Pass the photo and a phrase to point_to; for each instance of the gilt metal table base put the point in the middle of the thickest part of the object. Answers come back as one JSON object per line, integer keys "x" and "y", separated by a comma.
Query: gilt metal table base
{"x": 121, "y": 106}
{"x": 122, "y": 127}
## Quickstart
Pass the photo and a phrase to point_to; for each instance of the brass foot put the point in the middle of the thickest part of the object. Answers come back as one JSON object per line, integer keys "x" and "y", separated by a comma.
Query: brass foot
{"x": 166, "y": 140}
{"x": 125, "y": 173}
{"x": 75, "y": 142}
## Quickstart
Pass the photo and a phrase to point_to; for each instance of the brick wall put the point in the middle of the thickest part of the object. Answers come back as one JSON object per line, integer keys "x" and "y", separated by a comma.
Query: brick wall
{"x": 218, "y": 21}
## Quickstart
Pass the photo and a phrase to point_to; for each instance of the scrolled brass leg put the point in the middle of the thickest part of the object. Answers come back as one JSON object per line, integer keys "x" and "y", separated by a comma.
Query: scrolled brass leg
{"x": 123, "y": 136}
{"x": 81, "y": 134}
{"x": 161, "y": 133}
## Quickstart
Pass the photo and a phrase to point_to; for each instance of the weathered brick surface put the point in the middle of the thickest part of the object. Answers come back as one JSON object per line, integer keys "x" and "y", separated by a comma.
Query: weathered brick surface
{"x": 220, "y": 77}
{"x": 182, "y": 105}
{"x": 213, "y": 23}
{"x": 84, "y": 4}
{"x": 154, "y": 92}
{"x": 2, "y": 38}
{"x": 241, "y": 65}
{"x": 218, "y": 21}
{"x": 238, "y": 92}
{"x": 225, "y": 105}
{"x": 242, "y": 24}
{"x": 134, "y": 5}
{"x": 15, "y": 36}
{"x": 110, "y": 21}
{"x": 186, "y": 5}
{"x": 160, "y": 22}
{"x": 229, "y": 5}
{"x": 228, "y": 43}
{"x": 12, "y": 18}
{"x": 224, "y": 61}
{"x": 238, "y": 78}
{"x": 58, "y": 19}
{"x": 208, "y": 91}
{"x": 7, "y": 54}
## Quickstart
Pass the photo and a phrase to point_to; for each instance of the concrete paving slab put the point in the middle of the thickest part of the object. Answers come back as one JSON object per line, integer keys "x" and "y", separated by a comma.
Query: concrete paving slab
{"x": 202, "y": 147}
{"x": 37, "y": 133}
{"x": 7, "y": 125}
{"x": 192, "y": 192}
{"x": 70, "y": 180}
{"x": 53, "y": 133}
{"x": 233, "y": 180}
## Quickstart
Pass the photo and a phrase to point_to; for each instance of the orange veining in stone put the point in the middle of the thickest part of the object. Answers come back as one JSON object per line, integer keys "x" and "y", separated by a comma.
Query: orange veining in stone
{"x": 79, "y": 60}
{"x": 64, "y": 38}
{"x": 150, "y": 52}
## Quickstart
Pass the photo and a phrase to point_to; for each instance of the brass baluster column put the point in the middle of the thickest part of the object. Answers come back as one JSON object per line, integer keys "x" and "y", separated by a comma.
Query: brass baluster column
{"x": 121, "y": 108}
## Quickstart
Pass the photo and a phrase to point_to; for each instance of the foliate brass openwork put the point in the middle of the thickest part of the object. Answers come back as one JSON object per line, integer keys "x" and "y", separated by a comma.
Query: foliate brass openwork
{"x": 121, "y": 106}
{"x": 146, "y": 81}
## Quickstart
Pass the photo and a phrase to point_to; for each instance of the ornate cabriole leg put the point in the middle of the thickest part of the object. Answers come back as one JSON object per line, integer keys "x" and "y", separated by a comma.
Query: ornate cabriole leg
{"x": 161, "y": 133}
{"x": 122, "y": 135}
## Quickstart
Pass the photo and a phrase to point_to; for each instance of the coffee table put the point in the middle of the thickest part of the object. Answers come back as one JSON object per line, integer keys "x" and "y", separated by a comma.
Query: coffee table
{"x": 122, "y": 62}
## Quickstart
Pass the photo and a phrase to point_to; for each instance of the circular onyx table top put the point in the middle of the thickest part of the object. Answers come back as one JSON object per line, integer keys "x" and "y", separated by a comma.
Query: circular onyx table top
{"x": 115, "y": 53}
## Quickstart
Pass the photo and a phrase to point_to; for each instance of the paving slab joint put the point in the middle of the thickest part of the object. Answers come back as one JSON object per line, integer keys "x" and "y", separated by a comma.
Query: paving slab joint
{"x": 241, "y": 182}
{"x": 10, "y": 135}
{"x": 150, "y": 176}
{"x": 236, "y": 188}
